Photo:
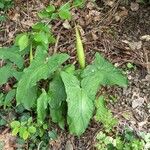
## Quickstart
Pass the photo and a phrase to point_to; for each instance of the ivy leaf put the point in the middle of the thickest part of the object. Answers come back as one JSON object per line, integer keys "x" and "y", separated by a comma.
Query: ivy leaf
{"x": 104, "y": 115}
{"x": 42, "y": 103}
{"x": 12, "y": 55}
{"x": 80, "y": 106}
{"x": 40, "y": 68}
{"x": 101, "y": 72}
{"x": 64, "y": 11}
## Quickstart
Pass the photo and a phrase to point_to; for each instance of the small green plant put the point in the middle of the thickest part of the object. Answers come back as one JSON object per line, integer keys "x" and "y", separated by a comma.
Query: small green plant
{"x": 146, "y": 137}
{"x": 40, "y": 35}
{"x": 104, "y": 115}
{"x": 25, "y": 129}
{"x": 4, "y": 6}
{"x": 71, "y": 93}
{"x": 130, "y": 66}
{"x": 127, "y": 141}
{"x": 64, "y": 12}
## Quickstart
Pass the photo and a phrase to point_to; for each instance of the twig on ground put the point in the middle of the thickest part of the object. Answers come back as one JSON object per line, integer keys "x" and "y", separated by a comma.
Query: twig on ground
{"x": 56, "y": 44}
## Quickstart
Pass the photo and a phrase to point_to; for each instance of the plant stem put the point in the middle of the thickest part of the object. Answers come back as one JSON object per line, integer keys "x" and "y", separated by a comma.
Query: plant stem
{"x": 31, "y": 54}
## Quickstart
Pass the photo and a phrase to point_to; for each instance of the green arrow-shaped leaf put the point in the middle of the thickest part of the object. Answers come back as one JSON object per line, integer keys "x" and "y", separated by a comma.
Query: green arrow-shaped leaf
{"x": 80, "y": 106}
{"x": 42, "y": 103}
{"x": 101, "y": 72}
{"x": 40, "y": 68}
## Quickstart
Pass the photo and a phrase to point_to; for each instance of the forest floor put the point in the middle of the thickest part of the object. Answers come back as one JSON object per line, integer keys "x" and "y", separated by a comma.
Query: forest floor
{"x": 120, "y": 32}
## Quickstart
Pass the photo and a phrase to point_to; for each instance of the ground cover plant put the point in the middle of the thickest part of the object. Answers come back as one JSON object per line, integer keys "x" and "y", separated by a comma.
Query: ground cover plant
{"x": 4, "y": 6}
{"x": 70, "y": 91}
{"x": 46, "y": 89}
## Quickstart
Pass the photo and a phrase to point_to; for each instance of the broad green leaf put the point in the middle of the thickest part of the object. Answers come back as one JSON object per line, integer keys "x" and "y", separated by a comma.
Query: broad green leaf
{"x": 10, "y": 95}
{"x": 58, "y": 115}
{"x": 54, "y": 16}
{"x": 42, "y": 103}
{"x": 15, "y": 131}
{"x": 40, "y": 27}
{"x": 1, "y": 99}
{"x": 104, "y": 115}
{"x": 30, "y": 120}
{"x": 57, "y": 96}
{"x": 5, "y": 74}
{"x": 40, "y": 68}
{"x": 15, "y": 124}
{"x": 32, "y": 129}
{"x": 70, "y": 68}
{"x": 25, "y": 135}
{"x": 2, "y": 5}
{"x": 22, "y": 130}
{"x": 12, "y": 55}
{"x": 101, "y": 72}
{"x": 64, "y": 11}
{"x": 42, "y": 34}
{"x": 17, "y": 74}
{"x": 41, "y": 37}
{"x": 50, "y": 9}
{"x": 44, "y": 14}
{"x": 56, "y": 91}
{"x": 23, "y": 41}
{"x": 80, "y": 106}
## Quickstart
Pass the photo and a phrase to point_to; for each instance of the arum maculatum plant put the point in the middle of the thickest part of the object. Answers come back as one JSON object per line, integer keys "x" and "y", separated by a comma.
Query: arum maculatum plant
{"x": 69, "y": 95}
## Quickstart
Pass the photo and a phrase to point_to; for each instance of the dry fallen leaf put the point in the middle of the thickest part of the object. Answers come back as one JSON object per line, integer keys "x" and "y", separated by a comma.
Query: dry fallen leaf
{"x": 145, "y": 38}
{"x": 121, "y": 14}
{"x": 134, "y": 6}
{"x": 133, "y": 45}
{"x": 68, "y": 146}
{"x": 66, "y": 25}
{"x": 138, "y": 102}
{"x": 8, "y": 140}
{"x": 109, "y": 2}
{"x": 90, "y": 5}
